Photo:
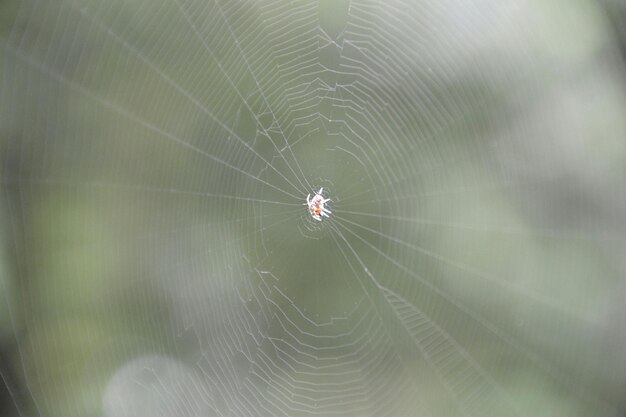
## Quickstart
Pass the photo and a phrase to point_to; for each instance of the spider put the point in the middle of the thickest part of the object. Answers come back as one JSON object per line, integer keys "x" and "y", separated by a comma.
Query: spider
{"x": 316, "y": 205}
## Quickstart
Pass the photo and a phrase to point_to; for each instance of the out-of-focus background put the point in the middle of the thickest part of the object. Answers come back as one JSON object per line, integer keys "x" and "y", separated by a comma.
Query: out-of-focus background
{"x": 156, "y": 258}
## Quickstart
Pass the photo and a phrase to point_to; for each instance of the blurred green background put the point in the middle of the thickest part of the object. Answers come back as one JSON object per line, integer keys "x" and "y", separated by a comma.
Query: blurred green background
{"x": 157, "y": 259}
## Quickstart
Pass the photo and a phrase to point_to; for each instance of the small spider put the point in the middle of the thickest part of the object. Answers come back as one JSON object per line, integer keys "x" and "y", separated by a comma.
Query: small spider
{"x": 316, "y": 205}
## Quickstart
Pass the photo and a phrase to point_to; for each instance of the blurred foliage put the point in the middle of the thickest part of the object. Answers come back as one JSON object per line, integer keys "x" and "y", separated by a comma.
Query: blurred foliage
{"x": 475, "y": 156}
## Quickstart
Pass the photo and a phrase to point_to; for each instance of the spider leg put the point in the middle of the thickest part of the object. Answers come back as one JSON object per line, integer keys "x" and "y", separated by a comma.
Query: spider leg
{"x": 320, "y": 191}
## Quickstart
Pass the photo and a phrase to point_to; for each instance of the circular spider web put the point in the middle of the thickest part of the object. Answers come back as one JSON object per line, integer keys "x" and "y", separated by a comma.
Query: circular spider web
{"x": 160, "y": 260}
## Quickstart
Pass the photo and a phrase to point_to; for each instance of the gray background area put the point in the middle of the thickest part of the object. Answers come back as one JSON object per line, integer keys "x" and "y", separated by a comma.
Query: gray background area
{"x": 156, "y": 258}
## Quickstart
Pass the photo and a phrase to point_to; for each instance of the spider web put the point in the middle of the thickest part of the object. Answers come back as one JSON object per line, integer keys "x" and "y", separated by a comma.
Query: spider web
{"x": 156, "y": 157}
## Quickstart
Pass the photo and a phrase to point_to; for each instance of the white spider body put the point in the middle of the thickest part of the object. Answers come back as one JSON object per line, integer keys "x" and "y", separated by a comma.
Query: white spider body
{"x": 316, "y": 205}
